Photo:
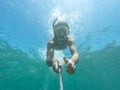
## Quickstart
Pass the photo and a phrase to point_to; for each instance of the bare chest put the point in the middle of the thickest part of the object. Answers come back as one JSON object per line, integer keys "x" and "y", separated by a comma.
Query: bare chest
{"x": 60, "y": 46}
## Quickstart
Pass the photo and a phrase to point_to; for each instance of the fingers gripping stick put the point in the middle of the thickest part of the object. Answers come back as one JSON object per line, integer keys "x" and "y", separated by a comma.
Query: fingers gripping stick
{"x": 60, "y": 68}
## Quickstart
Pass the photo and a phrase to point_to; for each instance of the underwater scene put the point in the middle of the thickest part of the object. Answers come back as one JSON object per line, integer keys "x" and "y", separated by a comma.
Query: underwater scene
{"x": 26, "y": 27}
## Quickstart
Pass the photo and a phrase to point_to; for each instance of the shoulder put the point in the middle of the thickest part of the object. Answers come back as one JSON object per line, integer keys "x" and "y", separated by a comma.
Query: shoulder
{"x": 50, "y": 43}
{"x": 70, "y": 40}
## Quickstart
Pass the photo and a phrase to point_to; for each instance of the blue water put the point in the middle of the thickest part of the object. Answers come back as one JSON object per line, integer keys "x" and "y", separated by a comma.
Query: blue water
{"x": 26, "y": 27}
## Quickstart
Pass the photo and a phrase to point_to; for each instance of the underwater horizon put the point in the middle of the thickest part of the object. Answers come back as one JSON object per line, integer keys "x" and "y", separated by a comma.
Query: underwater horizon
{"x": 26, "y": 27}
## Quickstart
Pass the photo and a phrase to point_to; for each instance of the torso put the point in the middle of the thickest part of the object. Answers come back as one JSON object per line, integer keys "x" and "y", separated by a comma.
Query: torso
{"x": 61, "y": 45}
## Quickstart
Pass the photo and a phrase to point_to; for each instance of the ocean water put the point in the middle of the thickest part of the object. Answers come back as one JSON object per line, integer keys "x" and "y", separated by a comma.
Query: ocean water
{"x": 26, "y": 27}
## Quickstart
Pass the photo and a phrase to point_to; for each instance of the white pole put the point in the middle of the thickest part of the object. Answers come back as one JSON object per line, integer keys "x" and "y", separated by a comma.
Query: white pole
{"x": 60, "y": 78}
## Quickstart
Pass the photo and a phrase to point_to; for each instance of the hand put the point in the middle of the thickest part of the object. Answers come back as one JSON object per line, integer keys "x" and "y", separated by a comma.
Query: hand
{"x": 56, "y": 65}
{"x": 70, "y": 65}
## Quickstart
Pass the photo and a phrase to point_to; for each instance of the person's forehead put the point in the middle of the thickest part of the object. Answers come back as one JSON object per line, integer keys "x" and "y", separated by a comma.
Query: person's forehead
{"x": 61, "y": 26}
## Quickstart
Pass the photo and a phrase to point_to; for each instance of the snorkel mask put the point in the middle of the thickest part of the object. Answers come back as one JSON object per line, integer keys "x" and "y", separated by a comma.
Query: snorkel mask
{"x": 61, "y": 29}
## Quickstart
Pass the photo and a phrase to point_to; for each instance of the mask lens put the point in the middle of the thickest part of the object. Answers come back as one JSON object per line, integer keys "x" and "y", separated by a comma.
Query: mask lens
{"x": 62, "y": 30}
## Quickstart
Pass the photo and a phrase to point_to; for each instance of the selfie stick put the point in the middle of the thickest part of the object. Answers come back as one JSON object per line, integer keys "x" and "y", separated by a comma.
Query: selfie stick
{"x": 60, "y": 78}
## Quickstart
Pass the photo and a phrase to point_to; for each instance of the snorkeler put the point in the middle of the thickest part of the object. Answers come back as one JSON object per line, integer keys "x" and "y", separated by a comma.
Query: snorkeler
{"x": 60, "y": 41}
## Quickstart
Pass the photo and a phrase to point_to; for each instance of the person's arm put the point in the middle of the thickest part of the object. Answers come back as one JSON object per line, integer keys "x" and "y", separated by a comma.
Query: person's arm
{"x": 74, "y": 52}
{"x": 50, "y": 61}
{"x": 50, "y": 53}
{"x": 70, "y": 63}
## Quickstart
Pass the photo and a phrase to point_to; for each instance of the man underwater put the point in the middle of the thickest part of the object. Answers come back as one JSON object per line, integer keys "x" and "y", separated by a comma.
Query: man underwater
{"x": 60, "y": 41}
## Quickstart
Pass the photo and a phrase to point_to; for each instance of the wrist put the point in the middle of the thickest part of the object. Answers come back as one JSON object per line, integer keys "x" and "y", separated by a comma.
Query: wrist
{"x": 72, "y": 61}
{"x": 49, "y": 63}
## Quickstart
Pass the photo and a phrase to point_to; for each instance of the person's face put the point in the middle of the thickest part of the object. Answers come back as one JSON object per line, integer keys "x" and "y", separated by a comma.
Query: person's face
{"x": 61, "y": 32}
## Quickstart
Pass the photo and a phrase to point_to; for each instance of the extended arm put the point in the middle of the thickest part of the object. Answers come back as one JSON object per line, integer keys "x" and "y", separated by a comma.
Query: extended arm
{"x": 70, "y": 63}
{"x": 50, "y": 61}
{"x": 50, "y": 53}
{"x": 74, "y": 52}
